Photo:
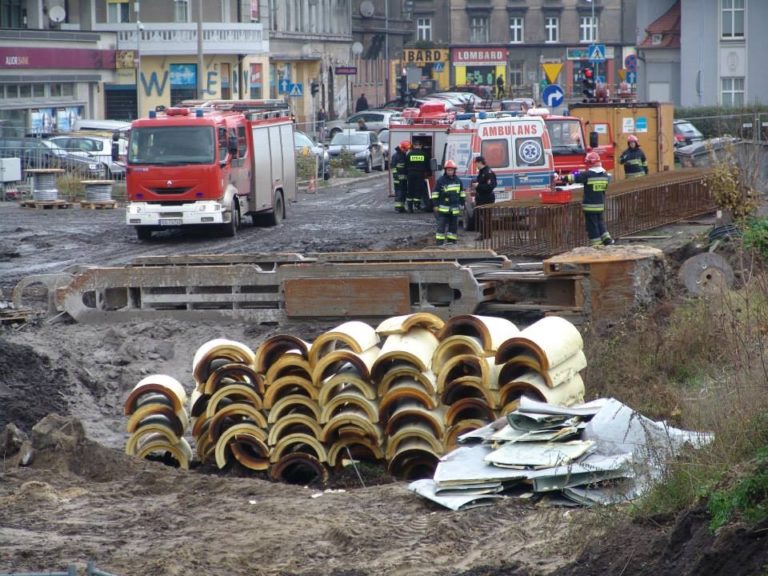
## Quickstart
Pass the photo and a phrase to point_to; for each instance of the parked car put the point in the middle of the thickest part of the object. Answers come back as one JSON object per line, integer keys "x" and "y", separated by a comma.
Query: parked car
{"x": 685, "y": 133}
{"x": 384, "y": 139}
{"x": 363, "y": 144}
{"x": 303, "y": 143}
{"x": 34, "y": 154}
{"x": 519, "y": 105}
{"x": 95, "y": 145}
{"x": 461, "y": 100}
{"x": 375, "y": 120}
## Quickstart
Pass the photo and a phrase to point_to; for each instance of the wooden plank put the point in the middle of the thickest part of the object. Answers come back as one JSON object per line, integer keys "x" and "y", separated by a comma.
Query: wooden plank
{"x": 347, "y": 297}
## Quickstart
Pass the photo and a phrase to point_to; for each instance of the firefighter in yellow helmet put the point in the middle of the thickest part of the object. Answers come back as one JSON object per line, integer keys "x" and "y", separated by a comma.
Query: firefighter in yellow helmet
{"x": 448, "y": 199}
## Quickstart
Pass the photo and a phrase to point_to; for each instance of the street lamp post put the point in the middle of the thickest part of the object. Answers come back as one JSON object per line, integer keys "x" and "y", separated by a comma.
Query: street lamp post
{"x": 137, "y": 61}
{"x": 386, "y": 50}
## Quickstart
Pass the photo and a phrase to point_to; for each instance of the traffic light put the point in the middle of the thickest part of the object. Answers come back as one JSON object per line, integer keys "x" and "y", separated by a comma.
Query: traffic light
{"x": 588, "y": 83}
{"x": 315, "y": 87}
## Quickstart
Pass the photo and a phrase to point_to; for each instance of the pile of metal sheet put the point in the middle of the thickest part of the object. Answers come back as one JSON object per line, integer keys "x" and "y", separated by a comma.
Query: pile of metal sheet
{"x": 158, "y": 420}
{"x": 597, "y": 453}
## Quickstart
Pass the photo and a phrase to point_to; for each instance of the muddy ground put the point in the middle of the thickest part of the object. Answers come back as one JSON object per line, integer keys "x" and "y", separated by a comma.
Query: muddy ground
{"x": 82, "y": 499}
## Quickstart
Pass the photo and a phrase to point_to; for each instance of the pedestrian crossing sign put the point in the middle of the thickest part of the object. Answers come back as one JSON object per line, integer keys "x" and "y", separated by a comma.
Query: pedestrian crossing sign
{"x": 597, "y": 53}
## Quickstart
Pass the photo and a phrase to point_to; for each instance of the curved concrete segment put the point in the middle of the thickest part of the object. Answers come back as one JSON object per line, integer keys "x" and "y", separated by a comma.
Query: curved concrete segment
{"x": 359, "y": 448}
{"x": 404, "y": 393}
{"x": 414, "y": 458}
{"x": 286, "y": 386}
{"x": 330, "y": 364}
{"x": 233, "y": 373}
{"x": 355, "y": 335}
{"x": 292, "y": 424}
{"x": 403, "y": 324}
{"x": 216, "y": 352}
{"x": 299, "y": 468}
{"x": 159, "y": 384}
{"x": 181, "y": 452}
{"x": 404, "y": 371}
{"x": 550, "y": 341}
{"x": 344, "y": 379}
{"x": 490, "y": 330}
{"x": 240, "y": 393}
{"x": 462, "y": 365}
{"x": 294, "y": 404}
{"x": 469, "y": 409}
{"x": 275, "y": 347}
{"x": 413, "y": 413}
{"x": 233, "y": 415}
{"x": 347, "y": 401}
{"x": 532, "y": 384}
{"x": 416, "y": 348}
{"x": 245, "y": 443}
{"x": 298, "y": 442}
{"x": 287, "y": 365}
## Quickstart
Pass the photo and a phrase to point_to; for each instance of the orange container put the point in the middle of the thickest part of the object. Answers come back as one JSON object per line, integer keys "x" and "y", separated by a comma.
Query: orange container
{"x": 559, "y": 196}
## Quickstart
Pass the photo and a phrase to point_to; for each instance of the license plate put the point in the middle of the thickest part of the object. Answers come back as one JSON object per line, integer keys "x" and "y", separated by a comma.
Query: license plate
{"x": 503, "y": 196}
{"x": 170, "y": 221}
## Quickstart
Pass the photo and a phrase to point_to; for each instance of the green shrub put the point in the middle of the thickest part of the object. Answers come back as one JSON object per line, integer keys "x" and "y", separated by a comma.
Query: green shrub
{"x": 306, "y": 166}
{"x": 748, "y": 497}
{"x": 344, "y": 162}
{"x": 756, "y": 235}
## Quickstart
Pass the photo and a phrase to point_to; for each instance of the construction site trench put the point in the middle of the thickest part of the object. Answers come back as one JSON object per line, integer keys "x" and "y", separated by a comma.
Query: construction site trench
{"x": 79, "y": 498}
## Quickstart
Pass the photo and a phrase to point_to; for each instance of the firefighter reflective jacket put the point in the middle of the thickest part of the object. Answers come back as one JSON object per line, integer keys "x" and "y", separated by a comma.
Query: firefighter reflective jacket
{"x": 417, "y": 163}
{"x": 595, "y": 181}
{"x": 449, "y": 195}
{"x": 398, "y": 166}
{"x": 634, "y": 162}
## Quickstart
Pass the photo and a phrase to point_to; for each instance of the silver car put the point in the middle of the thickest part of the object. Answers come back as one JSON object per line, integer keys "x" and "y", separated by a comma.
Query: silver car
{"x": 303, "y": 142}
{"x": 363, "y": 145}
{"x": 375, "y": 120}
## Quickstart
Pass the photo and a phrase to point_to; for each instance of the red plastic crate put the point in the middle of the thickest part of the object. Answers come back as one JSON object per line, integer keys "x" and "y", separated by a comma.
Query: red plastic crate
{"x": 556, "y": 197}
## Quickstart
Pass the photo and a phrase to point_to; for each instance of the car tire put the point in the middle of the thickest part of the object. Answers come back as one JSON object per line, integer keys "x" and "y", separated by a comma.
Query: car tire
{"x": 368, "y": 165}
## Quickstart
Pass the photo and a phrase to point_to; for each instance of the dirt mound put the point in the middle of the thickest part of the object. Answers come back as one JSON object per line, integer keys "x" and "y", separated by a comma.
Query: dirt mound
{"x": 30, "y": 386}
{"x": 681, "y": 546}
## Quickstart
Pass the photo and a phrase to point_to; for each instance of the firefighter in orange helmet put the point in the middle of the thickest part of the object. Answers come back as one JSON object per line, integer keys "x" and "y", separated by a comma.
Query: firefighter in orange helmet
{"x": 633, "y": 159}
{"x": 448, "y": 200}
{"x": 595, "y": 181}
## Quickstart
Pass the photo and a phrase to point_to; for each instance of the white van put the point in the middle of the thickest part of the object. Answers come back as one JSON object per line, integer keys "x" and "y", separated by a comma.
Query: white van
{"x": 101, "y": 125}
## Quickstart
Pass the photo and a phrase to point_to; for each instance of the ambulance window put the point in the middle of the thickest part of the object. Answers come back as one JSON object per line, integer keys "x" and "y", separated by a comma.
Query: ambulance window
{"x": 242, "y": 147}
{"x": 459, "y": 152}
{"x": 530, "y": 152}
{"x": 496, "y": 152}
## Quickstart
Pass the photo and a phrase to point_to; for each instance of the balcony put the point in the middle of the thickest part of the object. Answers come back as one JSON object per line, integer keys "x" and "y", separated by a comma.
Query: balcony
{"x": 176, "y": 39}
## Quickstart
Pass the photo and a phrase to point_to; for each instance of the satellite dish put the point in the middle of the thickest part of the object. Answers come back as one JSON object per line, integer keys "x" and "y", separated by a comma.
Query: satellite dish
{"x": 57, "y": 14}
{"x": 357, "y": 48}
{"x": 366, "y": 8}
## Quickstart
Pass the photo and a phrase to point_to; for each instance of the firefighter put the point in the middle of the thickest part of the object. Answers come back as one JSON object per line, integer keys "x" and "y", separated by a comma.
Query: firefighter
{"x": 398, "y": 174}
{"x": 595, "y": 181}
{"x": 448, "y": 199}
{"x": 633, "y": 159}
{"x": 417, "y": 171}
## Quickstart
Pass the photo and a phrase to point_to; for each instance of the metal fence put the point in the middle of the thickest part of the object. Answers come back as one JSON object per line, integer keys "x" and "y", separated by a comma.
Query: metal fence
{"x": 536, "y": 229}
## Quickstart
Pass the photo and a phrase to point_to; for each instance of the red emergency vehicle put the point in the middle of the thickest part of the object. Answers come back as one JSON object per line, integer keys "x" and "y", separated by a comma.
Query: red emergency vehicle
{"x": 211, "y": 165}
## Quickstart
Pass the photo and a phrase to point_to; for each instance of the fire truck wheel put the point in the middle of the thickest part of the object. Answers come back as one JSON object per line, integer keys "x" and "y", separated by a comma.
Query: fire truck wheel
{"x": 143, "y": 233}
{"x": 276, "y": 216}
{"x": 230, "y": 228}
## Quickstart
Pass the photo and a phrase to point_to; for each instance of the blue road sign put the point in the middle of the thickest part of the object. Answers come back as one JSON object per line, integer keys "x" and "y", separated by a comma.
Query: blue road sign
{"x": 553, "y": 95}
{"x": 631, "y": 77}
{"x": 630, "y": 63}
{"x": 438, "y": 66}
{"x": 283, "y": 86}
{"x": 296, "y": 90}
{"x": 596, "y": 53}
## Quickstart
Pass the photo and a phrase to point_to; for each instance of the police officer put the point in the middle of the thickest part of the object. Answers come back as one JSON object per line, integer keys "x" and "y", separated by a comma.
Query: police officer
{"x": 448, "y": 199}
{"x": 595, "y": 181}
{"x": 633, "y": 159}
{"x": 398, "y": 174}
{"x": 483, "y": 186}
{"x": 417, "y": 170}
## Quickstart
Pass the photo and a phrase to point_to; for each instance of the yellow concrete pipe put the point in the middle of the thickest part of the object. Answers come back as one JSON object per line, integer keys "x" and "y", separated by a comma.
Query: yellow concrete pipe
{"x": 482, "y": 367}
{"x": 292, "y": 423}
{"x": 162, "y": 384}
{"x": 332, "y": 362}
{"x": 180, "y": 451}
{"x": 405, "y": 392}
{"x": 550, "y": 341}
{"x": 412, "y": 412}
{"x": 490, "y": 330}
{"x": 349, "y": 400}
{"x": 403, "y": 324}
{"x": 286, "y": 385}
{"x": 275, "y": 347}
{"x": 531, "y": 383}
{"x": 298, "y": 442}
{"x": 343, "y": 380}
{"x": 415, "y": 347}
{"x": 354, "y": 335}
{"x": 293, "y": 404}
{"x": 288, "y": 364}
{"x": 404, "y": 371}
{"x": 216, "y": 352}
{"x": 234, "y": 373}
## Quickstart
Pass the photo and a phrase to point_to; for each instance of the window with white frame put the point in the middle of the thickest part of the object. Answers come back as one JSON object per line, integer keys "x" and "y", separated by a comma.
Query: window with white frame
{"x": 551, "y": 29}
{"x": 478, "y": 29}
{"x": 732, "y": 92}
{"x": 181, "y": 11}
{"x": 732, "y": 18}
{"x": 424, "y": 29}
{"x": 118, "y": 12}
{"x": 516, "y": 29}
{"x": 587, "y": 29}
{"x": 516, "y": 70}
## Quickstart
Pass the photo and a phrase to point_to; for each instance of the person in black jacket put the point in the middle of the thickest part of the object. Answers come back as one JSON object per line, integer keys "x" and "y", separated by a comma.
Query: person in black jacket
{"x": 448, "y": 199}
{"x": 633, "y": 159}
{"x": 362, "y": 103}
{"x": 398, "y": 174}
{"x": 417, "y": 171}
{"x": 595, "y": 181}
{"x": 483, "y": 185}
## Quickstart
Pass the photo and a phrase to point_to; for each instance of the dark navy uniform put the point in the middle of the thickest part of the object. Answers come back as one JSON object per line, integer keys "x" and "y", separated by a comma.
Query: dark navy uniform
{"x": 595, "y": 180}
{"x": 634, "y": 162}
{"x": 399, "y": 179}
{"x": 417, "y": 170}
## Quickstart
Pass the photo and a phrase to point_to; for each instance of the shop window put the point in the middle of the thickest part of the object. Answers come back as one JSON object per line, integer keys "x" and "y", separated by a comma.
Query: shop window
{"x": 38, "y": 90}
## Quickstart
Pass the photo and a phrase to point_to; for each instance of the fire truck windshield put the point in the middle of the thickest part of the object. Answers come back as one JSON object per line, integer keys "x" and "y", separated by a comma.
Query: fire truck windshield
{"x": 566, "y": 136}
{"x": 172, "y": 145}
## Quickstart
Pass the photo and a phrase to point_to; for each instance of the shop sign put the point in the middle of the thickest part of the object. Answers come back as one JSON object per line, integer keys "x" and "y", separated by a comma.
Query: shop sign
{"x": 479, "y": 56}
{"x": 419, "y": 57}
{"x": 57, "y": 58}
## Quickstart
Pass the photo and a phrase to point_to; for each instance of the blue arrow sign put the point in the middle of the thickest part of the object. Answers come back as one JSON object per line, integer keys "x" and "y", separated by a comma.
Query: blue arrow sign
{"x": 296, "y": 90}
{"x": 631, "y": 77}
{"x": 597, "y": 52}
{"x": 553, "y": 95}
{"x": 283, "y": 86}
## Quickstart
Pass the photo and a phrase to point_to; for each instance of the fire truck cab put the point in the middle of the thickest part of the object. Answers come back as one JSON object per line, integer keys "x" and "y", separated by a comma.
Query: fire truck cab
{"x": 210, "y": 165}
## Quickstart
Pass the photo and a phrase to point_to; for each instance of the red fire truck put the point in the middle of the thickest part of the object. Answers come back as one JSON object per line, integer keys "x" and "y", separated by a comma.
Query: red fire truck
{"x": 211, "y": 165}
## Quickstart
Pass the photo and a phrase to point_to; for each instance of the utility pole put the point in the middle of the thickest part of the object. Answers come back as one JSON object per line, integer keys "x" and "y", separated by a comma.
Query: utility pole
{"x": 386, "y": 50}
{"x": 200, "y": 64}
{"x": 137, "y": 60}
